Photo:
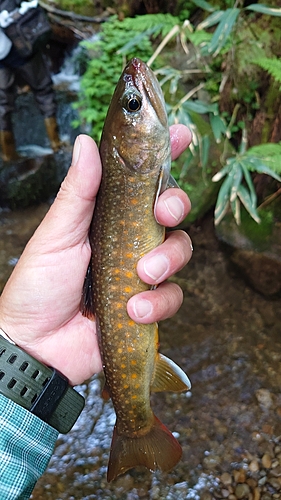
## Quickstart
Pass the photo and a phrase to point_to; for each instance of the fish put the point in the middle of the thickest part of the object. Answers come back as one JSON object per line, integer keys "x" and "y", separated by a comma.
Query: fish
{"x": 136, "y": 156}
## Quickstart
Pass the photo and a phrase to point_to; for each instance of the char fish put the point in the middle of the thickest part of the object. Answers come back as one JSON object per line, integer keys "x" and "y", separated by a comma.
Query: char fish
{"x": 135, "y": 153}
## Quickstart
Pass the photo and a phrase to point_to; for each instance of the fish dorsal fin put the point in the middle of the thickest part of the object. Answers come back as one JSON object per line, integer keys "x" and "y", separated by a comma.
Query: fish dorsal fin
{"x": 168, "y": 376}
{"x": 86, "y": 304}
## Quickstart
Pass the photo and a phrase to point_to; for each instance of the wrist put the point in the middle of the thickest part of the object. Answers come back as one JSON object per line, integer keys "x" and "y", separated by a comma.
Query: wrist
{"x": 38, "y": 388}
{"x": 6, "y": 336}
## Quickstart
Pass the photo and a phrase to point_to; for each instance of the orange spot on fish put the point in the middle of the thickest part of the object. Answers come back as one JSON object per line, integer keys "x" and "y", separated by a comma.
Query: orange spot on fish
{"x": 131, "y": 322}
{"x": 125, "y": 386}
{"x": 123, "y": 365}
{"x": 116, "y": 271}
{"x": 119, "y": 350}
{"x": 128, "y": 289}
{"x": 134, "y": 376}
{"x": 129, "y": 255}
{"x": 129, "y": 274}
{"x": 133, "y": 362}
{"x": 134, "y": 396}
{"x": 120, "y": 325}
{"x": 119, "y": 305}
{"x": 130, "y": 349}
{"x": 134, "y": 201}
{"x": 124, "y": 376}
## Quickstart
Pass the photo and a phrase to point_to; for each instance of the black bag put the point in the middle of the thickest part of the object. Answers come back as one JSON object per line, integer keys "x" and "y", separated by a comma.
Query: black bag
{"x": 30, "y": 31}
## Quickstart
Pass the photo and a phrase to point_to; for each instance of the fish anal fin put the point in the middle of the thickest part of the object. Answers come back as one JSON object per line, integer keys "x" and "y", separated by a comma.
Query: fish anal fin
{"x": 168, "y": 376}
{"x": 86, "y": 304}
{"x": 157, "y": 449}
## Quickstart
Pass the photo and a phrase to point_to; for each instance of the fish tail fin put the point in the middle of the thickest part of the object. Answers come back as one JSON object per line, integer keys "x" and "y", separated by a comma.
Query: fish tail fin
{"x": 157, "y": 449}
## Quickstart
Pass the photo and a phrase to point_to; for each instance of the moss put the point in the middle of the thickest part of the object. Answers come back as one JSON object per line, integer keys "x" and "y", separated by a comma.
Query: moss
{"x": 28, "y": 182}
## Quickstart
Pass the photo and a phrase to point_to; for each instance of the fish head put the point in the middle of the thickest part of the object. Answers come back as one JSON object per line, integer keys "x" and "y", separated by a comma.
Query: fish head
{"x": 136, "y": 127}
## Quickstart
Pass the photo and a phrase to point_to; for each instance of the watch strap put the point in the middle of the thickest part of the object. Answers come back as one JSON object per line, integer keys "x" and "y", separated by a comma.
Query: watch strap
{"x": 42, "y": 390}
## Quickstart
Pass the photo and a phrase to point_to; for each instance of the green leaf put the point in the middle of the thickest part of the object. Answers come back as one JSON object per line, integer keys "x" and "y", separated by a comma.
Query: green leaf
{"x": 136, "y": 40}
{"x": 235, "y": 207}
{"x": 204, "y": 150}
{"x": 223, "y": 30}
{"x": 223, "y": 197}
{"x": 200, "y": 107}
{"x": 246, "y": 199}
{"x": 236, "y": 181}
{"x": 249, "y": 182}
{"x": 218, "y": 127}
{"x": 259, "y": 166}
{"x": 264, "y": 9}
{"x": 202, "y": 4}
{"x": 211, "y": 20}
{"x": 221, "y": 173}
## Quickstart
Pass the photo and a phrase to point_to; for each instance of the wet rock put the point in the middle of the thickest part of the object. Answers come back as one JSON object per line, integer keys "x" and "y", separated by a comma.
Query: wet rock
{"x": 254, "y": 465}
{"x": 28, "y": 181}
{"x": 242, "y": 490}
{"x": 264, "y": 398}
{"x": 254, "y": 250}
{"x": 266, "y": 461}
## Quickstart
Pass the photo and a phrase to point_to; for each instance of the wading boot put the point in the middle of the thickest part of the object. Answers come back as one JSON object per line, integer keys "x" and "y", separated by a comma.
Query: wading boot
{"x": 53, "y": 133}
{"x": 8, "y": 146}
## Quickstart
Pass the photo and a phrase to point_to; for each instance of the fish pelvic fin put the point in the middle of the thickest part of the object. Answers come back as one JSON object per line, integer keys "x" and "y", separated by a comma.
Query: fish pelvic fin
{"x": 158, "y": 449}
{"x": 86, "y": 304}
{"x": 168, "y": 376}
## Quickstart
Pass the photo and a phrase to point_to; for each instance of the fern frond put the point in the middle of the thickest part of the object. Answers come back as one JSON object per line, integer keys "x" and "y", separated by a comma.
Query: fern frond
{"x": 157, "y": 23}
{"x": 270, "y": 64}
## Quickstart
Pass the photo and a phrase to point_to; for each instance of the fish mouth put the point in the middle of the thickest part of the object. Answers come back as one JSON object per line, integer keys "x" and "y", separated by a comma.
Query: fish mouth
{"x": 137, "y": 73}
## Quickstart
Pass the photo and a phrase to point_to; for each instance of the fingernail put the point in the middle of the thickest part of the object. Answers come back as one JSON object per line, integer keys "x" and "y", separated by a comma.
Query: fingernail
{"x": 156, "y": 267}
{"x": 76, "y": 151}
{"x": 175, "y": 207}
{"x": 142, "y": 308}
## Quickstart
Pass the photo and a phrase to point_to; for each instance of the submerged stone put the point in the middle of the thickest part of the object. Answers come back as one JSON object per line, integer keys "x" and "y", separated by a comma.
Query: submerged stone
{"x": 255, "y": 249}
{"x": 28, "y": 181}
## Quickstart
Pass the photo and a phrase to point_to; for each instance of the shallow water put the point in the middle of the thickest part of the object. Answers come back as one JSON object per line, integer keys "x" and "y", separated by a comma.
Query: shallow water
{"x": 227, "y": 338}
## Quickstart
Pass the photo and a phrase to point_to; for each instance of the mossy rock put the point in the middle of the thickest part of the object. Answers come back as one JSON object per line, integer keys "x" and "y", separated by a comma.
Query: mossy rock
{"x": 28, "y": 181}
{"x": 254, "y": 249}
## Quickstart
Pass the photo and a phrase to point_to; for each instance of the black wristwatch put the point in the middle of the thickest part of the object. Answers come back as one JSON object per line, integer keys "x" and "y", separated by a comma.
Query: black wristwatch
{"x": 42, "y": 390}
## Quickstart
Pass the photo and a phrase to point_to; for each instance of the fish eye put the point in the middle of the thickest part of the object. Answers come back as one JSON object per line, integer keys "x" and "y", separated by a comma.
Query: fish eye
{"x": 132, "y": 103}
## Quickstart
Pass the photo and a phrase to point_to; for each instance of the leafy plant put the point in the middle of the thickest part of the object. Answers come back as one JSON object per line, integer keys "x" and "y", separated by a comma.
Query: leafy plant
{"x": 208, "y": 47}
{"x": 238, "y": 186}
{"x": 117, "y": 42}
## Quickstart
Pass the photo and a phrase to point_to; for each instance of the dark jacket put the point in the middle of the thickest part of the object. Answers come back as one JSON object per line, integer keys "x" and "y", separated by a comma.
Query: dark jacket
{"x": 9, "y": 5}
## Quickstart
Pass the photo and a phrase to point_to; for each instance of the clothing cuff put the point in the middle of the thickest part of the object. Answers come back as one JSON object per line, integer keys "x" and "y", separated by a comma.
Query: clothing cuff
{"x": 26, "y": 446}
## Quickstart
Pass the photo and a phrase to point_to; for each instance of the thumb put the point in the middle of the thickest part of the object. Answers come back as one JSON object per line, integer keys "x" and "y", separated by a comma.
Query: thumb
{"x": 67, "y": 222}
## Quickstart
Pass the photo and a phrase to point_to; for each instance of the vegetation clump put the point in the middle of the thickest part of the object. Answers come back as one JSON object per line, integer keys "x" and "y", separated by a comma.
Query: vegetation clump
{"x": 220, "y": 76}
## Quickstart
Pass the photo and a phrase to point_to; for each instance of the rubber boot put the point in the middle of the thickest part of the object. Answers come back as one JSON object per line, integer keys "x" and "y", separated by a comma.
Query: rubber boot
{"x": 53, "y": 133}
{"x": 8, "y": 146}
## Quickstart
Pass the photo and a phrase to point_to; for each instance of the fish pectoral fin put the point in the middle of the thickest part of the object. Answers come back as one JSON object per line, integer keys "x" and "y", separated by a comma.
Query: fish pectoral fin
{"x": 168, "y": 376}
{"x": 172, "y": 183}
{"x": 86, "y": 304}
{"x": 105, "y": 393}
{"x": 157, "y": 449}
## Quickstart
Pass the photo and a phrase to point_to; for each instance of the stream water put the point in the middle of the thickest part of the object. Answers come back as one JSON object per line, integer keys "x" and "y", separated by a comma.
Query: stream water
{"x": 227, "y": 338}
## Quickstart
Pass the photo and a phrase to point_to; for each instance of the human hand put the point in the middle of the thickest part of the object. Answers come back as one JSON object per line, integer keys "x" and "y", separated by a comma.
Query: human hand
{"x": 39, "y": 306}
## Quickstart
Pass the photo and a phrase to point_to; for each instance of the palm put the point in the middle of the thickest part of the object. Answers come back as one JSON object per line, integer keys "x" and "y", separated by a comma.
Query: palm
{"x": 40, "y": 305}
